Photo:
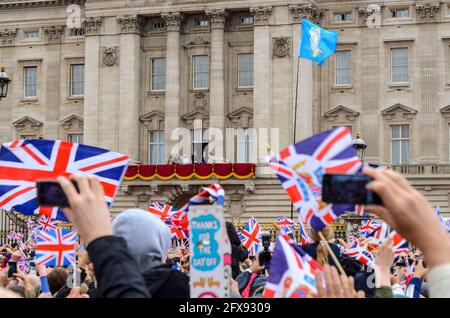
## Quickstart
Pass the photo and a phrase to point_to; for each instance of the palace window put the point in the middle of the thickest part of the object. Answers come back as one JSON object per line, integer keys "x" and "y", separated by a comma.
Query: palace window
{"x": 399, "y": 65}
{"x": 245, "y": 139}
{"x": 202, "y": 23}
{"x": 32, "y": 35}
{"x": 77, "y": 32}
{"x": 400, "y": 13}
{"x": 245, "y": 70}
{"x": 158, "y": 25}
{"x": 30, "y": 81}
{"x": 247, "y": 20}
{"x": 77, "y": 79}
{"x": 399, "y": 144}
{"x": 200, "y": 71}
{"x": 76, "y": 138}
{"x": 156, "y": 147}
{"x": 199, "y": 146}
{"x": 28, "y": 137}
{"x": 343, "y": 17}
{"x": 158, "y": 77}
{"x": 343, "y": 68}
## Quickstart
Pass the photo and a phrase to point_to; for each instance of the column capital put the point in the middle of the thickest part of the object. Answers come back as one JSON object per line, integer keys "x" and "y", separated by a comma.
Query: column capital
{"x": 172, "y": 20}
{"x": 426, "y": 11}
{"x": 130, "y": 23}
{"x": 261, "y": 14}
{"x": 217, "y": 17}
{"x": 7, "y": 36}
{"x": 54, "y": 32}
{"x": 92, "y": 25}
{"x": 306, "y": 10}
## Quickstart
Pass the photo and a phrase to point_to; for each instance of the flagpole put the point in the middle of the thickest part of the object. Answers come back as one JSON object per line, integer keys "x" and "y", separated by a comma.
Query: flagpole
{"x": 330, "y": 251}
{"x": 295, "y": 120}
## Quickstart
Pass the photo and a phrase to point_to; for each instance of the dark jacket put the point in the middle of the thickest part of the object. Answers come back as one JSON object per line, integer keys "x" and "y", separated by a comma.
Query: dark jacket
{"x": 238, "y": 252}
{"x": 311, "y": 249}
{"x": 116, "y": 270}
{"x": 163, "y": 282}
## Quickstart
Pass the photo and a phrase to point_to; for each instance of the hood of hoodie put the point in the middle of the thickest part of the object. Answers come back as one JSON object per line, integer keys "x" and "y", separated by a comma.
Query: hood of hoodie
{"x": 147, "y": 237}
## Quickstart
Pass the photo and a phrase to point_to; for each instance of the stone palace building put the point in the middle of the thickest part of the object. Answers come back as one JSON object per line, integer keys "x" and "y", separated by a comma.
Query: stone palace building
{"x": 123, "y": 74}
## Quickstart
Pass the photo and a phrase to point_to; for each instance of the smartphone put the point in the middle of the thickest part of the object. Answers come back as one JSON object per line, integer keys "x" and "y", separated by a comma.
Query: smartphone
{"x": 12, "y": 268}
{"x": 50, "y": 193}
{"x": 348, "y": 189}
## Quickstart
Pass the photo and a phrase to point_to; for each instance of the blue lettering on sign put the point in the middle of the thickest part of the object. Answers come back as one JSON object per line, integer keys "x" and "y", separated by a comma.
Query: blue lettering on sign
{"x": 206, "y": 249}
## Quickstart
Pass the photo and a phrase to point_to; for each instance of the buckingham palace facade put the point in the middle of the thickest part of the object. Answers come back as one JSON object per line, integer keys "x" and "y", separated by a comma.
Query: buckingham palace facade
{"x": 125, "y": 74}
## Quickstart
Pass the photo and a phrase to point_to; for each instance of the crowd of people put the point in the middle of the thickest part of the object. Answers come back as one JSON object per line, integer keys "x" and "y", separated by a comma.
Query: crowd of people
{"x": 133, "y": 256}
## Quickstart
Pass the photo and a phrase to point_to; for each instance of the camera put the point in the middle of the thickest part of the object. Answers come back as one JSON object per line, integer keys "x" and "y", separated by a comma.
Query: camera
{"x": 265, "y": 256}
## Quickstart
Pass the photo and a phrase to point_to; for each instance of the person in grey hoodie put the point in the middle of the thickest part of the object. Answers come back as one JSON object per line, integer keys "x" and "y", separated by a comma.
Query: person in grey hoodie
{"x": 149, "y": 239}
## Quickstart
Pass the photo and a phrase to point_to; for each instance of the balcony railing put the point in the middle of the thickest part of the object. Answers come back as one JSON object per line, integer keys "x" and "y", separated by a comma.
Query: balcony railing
{"x": 422, "y": 169}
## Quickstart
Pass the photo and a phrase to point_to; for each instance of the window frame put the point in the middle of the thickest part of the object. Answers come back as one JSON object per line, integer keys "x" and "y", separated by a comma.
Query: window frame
{"x": 249, "y": 145}
{"x": 32, "y": 38}
{"x": 194, "y": 88}
{"x": 157, "y": 144}
{"x": 350, "y": 51}
{"x": 71, "y": 81}
{"x": 343, "y": 14}
{"x": 241, "y": 21}
{"x": 25, "y": 96}
{"x": 152, "y": 59}
{"x": 400, "y": 9}
{"x": 391, "y": 50}
{"x": 400, "y": 139}
{"x": 239, "y": 71}
{"x": 70, "y": 136}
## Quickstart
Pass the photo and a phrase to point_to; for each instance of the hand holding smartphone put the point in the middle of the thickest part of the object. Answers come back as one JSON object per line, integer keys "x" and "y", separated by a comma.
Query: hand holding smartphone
{"x": 50, "y": 193}
{"x": 348, "y": 189}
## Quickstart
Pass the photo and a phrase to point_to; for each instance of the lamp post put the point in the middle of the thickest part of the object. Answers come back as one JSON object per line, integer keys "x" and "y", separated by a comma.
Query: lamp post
{"x": 360, "y": 145}
{"x": 4, "y": 83}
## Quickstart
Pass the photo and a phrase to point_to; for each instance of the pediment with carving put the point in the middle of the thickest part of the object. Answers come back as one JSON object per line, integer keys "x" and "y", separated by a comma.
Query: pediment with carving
{"x": 73, "y": 121}
{"x": 341, "y": 112}
{"x": 27, "y": 123}
{"x": 241, "y": 118}
{"x": 153, "y": 120}
{"x": 399, "y": 111}
{"x": 197, "y": 114}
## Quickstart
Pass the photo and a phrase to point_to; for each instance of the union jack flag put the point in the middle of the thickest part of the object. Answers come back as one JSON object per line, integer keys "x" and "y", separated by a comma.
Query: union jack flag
{"x": 444, "y": 221}
{"x": 359, "y": 209}
{"x": 30, "y": 223}
{"x": 46, "y": 223}
{"x": 291, "y": 272}
{"x": 351, "y": 239}
{"x": 163, "y": 211}
{"x": 24, "y": 266}
{"x": 368, "y": 226}
{"x": 251, "y": 236}
{"x": 399, "y": 244}
{"x": 56, "y": 247}
{"x": 287, "y": 226}
{"x": 304, "y": 237}
{"x": 23, "y": 162}
{"x": 362, "y": 255}
{"x": 15, "y": 236}
{"x": 300, "y": 169}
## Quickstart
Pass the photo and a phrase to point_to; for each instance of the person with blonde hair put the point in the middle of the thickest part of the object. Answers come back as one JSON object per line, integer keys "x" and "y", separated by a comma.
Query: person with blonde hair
{"x": 318, "y": 249}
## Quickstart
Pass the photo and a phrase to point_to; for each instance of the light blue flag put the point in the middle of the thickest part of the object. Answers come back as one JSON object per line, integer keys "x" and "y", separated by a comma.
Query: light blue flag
{"x": 316, "y": 43}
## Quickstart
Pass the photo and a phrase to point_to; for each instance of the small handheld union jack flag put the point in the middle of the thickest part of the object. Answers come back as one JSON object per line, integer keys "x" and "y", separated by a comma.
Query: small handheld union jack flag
{"x": 163, "y": 211}
{"x": 45, "y": 223}
{"x": 368, "y": 226}
{"x": 291, "y": 271}
{"x": 23, "y": 162}
{"x": 300, "y": 169}
{"x": 251, "y": 236}
{"x": 56, "y": 247}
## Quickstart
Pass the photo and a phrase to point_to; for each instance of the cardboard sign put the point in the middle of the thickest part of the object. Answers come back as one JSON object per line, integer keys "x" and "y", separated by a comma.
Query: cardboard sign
{"x": 210, "y": 261}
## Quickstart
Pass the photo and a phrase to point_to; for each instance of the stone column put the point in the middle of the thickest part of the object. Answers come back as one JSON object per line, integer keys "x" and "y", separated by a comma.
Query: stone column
{"x": 92, "y": 73}
{"x": 261, "y": 82}
{"x": 172, "y": 111}
{"x": 129, "y": 66}
{"x": 217, "y": 85}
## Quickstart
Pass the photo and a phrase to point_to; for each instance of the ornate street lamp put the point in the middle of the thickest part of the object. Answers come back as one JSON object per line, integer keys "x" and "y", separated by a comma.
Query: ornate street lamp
{"x": 360, "y": 146}
{"x": 4, "y": 83}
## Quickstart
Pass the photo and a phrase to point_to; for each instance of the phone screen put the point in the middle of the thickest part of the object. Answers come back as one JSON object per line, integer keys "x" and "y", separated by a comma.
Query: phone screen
{"x": 348, "y": 189}
{"x": 50, "y": 193}
{"x": 12, "y": 268}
